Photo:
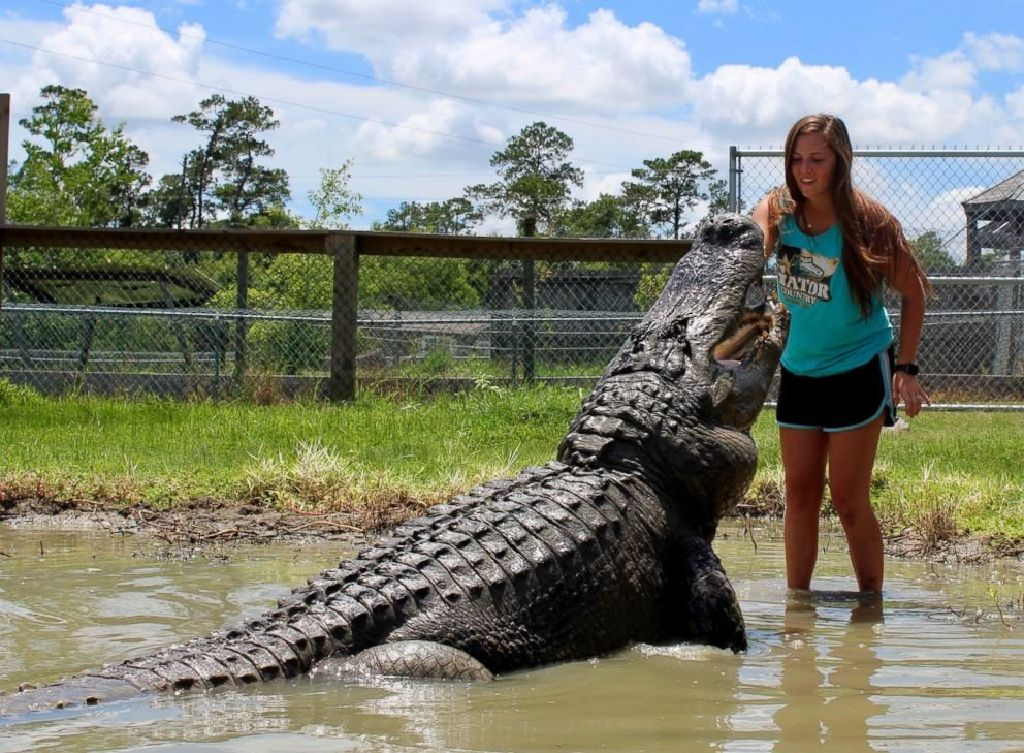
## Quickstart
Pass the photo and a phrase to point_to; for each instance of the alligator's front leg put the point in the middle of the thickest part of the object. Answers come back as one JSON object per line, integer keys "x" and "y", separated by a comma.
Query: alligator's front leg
{"x": 710, "y": 610}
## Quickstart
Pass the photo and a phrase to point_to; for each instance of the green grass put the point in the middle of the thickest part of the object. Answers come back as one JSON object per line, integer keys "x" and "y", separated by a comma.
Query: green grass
{"x": 949, "y": 474}
{"x": 164, "y": 452}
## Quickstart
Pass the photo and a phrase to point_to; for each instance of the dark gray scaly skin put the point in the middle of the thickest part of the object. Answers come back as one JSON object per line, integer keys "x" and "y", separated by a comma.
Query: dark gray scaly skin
{"x": 608, "y": 545}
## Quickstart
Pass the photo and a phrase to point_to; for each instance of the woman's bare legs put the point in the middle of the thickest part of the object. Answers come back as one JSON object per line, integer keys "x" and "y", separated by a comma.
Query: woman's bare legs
{"x": 804, "y": 452}
{"x": 850, "y": 456}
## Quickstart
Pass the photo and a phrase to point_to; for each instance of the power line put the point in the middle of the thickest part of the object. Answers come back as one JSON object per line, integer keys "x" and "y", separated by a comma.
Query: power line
{"x": 366, "y": 76}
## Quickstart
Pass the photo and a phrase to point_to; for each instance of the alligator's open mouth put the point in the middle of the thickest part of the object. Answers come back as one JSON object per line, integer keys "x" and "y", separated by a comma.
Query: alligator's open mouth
{"x": 750, "y": 330}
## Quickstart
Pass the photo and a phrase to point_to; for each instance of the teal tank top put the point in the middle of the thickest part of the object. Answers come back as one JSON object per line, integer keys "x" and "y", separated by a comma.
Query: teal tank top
{"x": 828, "y": 333}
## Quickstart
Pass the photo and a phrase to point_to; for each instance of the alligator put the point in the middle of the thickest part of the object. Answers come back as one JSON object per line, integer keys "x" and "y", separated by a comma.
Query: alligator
{"x": 606, "y": 546}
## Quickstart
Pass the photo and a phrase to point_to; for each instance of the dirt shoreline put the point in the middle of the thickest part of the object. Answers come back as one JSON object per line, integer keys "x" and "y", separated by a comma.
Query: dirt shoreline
{"x": 208, "y": 521}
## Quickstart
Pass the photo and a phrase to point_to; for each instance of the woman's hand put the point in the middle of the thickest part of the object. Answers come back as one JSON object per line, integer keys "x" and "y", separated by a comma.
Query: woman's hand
{"x": 908, "y": 390}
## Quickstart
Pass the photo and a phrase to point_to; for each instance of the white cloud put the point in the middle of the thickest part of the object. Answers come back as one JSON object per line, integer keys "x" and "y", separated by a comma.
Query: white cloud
{"x": 1015, "y": 103}
{"x": 959, "y": 68}
{"x": 381, "y": 28}
{"x": 945, "y": 215}
{"x": 127, "y": 46}
{"x": 995, "y": 52}
{"x": 423, "y": 133}
{"x": 952, "y": 71}
{"x": 717, "y": 6}
{"x": 534, "y": 58}
{"x": 764, "y": 102}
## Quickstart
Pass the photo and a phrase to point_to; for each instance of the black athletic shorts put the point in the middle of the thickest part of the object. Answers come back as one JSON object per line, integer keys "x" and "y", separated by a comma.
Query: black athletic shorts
{"x": 839, "y": 402}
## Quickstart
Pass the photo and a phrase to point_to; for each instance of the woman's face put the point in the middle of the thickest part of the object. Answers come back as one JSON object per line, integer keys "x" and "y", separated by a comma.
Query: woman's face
{"x": 812, "y": 165}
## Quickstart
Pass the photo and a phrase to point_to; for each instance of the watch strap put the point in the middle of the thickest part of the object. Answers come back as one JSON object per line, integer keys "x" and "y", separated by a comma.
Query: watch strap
{"x": 910, "y": 369}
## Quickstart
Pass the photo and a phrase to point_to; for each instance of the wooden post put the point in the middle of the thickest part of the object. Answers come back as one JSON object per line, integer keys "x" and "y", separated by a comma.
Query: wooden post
{"x": 341, "y": 383}
{"x": 5, "y": 130}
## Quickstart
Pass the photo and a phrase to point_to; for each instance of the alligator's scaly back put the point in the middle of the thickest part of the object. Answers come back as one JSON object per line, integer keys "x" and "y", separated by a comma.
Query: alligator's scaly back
{"x": 608, "y": 545}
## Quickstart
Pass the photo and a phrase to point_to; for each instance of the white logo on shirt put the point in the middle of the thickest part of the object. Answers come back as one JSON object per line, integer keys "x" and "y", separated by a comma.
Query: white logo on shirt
{"x": 804, "y": 276}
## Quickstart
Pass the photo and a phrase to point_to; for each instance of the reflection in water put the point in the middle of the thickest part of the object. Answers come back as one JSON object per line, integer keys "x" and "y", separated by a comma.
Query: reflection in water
{"x": 826, "y": 675}
{"x": 824, "y": 670}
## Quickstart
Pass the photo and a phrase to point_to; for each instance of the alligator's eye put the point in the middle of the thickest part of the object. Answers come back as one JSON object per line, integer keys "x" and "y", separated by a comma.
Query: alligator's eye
{"x": 678, "y": 328}
{"x": 754, "y": 300}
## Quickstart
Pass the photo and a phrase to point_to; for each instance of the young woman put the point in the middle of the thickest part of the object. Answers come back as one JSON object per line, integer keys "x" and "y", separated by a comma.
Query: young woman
{"x": 836, "y": 248}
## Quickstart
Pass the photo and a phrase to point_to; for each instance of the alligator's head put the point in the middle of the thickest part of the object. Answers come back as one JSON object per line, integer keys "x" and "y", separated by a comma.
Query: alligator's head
{"x": 680, "y": 396}
{"x": 714, "y": 332}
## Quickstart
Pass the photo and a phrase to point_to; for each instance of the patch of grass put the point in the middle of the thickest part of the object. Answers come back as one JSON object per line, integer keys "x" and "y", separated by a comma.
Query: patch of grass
{"x": 13, "y": 394}
{"x": 949, "y": 474}
{"x": 296, "y": 455}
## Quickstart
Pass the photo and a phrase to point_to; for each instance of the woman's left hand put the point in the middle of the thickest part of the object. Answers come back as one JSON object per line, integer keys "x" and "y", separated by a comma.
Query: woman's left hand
{"x": 907, "y": 389}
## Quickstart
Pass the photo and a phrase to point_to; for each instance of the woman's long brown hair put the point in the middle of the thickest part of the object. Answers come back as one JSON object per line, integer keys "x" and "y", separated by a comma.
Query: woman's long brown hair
{"x": 873, "y": 240}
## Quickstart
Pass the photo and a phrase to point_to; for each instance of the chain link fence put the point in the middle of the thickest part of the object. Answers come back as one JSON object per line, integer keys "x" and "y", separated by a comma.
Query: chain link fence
{"x": 275, "y": 314}
{"x": 964, "y": 212}
{"x": 222, "y": 317}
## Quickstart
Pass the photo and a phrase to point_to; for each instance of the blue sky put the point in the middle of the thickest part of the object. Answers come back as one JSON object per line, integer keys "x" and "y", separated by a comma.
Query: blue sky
{"x": 419, "y": 95}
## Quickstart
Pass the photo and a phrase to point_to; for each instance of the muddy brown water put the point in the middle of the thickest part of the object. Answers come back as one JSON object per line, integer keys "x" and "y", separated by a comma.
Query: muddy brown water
{"x": 938, "y": 666}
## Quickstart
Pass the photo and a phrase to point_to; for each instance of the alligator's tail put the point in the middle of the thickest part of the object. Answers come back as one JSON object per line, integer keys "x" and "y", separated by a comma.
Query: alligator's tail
{"x": 332, "y": 615}
{"x": 340, "y": 612}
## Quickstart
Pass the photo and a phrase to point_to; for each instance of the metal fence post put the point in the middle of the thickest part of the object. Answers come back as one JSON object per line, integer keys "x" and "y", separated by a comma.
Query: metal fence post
{"x": 5, "y": 129}
{"x": 241, "y": 325}
{"x": 734, "y": 175}
{"x": 529, "y": 228}
{"x": 341, "y": 383}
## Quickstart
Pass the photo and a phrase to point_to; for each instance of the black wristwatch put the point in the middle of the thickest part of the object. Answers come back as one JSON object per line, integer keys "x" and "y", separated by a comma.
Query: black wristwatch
{"x": 910, "y": 369}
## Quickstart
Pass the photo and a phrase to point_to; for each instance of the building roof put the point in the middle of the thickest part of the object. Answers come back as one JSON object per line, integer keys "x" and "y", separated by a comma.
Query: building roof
{"x": 1010, "y": 190}
{"x": 1001, "y": 210}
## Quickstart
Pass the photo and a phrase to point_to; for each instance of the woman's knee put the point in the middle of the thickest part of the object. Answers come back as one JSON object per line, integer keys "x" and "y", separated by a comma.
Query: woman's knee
{"x": 853, "y": 512}
{"x": 805, "y": 492}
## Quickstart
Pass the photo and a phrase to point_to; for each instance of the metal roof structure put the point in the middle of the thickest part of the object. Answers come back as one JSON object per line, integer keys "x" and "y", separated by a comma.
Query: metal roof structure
{"x": 1001, "y": 208}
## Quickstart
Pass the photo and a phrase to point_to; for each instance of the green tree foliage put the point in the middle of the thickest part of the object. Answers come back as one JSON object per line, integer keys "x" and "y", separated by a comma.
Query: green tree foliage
{"x": 224, "y": 180}
{"x": 303, "y": 282}
{"x": 664, "y": 193}
{"x": 607, "y": 216}
{"x": 170, "y": 203}
{"x": 666, "y": 190}
{"x": 75, "y": 172}
{"x": 404, "y": 283}
{"x": 652, "y": 281}
{"x": 535, "y": 177}
{"x": 934, "y": 258}
{"x": 334, "y": 203}
{"x": 450, "y": 217}
{"x": 410, "y": 283}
